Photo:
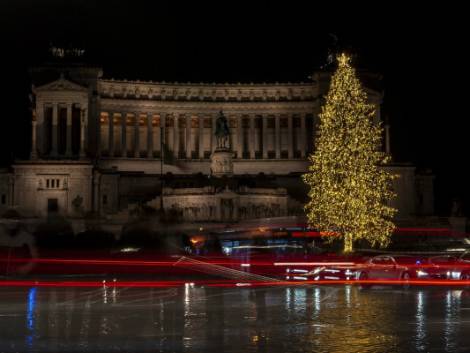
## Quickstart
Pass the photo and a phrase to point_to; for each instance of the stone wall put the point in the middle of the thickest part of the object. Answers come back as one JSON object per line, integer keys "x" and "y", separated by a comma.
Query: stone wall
{"x": 69, "y": 184}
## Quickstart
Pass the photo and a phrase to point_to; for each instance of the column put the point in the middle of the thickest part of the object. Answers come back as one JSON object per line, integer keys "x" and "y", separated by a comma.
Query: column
{"x": 213, "y": 139}
{"x": 377, "y": 118}
{"x": 240, "y": 136}
{"x": 201, "y": 136}
{"x": 82, "y": 132}
{"x": 290, "y": 138}
{"x": 303, "y": 132}
{"x": 11, "y": 191}
{"x": 123, "y": 135}
{"x": 264, "y": 136}
{"x": 176, "y": 136}
{"x": 161, "y": 132}
{"x": 188, "y": 136}
{"x": 111, "y": 134}
{"x": 55, "y": 130}
{"x": 41, "y": 139}
{"x": 387, "y": 139}
{"x": 96, "y": 191}
{"x": 136, "y": 136}
{"x": 149, "y": 135}
{"x": 68, "y": 151}
{"x": 277, "y": 136}
{"x": 252, "y": 136}
{"x": 34, "y": 147}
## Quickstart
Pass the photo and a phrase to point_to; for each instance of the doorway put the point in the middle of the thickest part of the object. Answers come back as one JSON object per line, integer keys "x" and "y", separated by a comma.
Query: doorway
{"x": 52, "y": 206}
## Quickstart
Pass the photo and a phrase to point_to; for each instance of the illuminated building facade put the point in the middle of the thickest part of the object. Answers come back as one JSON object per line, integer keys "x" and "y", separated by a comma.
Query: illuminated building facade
{"x": 97, "y": 147}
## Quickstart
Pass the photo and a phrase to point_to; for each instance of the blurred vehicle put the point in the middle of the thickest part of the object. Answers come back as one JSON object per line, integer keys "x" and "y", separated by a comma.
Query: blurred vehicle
{"x": 326, "y": 267}
{"x": 392, "y": 267}
{"x": 381, "y": 267}
{"x": 446, "y": 267}
{"x": 439, "y": 267}
{"x": 461, "y": 267}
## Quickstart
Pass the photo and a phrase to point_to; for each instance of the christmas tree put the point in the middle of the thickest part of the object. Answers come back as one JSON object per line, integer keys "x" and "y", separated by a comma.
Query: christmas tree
{"x": 350, "y": 192}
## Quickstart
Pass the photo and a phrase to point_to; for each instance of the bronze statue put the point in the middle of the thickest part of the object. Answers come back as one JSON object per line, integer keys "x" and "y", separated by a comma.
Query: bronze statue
{"x": 222, "y": 131}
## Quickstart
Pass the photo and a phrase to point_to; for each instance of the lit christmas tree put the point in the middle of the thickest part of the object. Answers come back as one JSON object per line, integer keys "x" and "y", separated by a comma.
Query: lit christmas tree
{"x": 349, "y": 191}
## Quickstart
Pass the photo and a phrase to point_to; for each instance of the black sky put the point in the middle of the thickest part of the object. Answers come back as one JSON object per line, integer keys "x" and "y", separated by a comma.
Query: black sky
{"x": 419, "y": 49}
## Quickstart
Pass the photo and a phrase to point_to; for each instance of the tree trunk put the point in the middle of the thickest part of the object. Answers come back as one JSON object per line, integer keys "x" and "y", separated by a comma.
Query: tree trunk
{"x": 348, "y": 243}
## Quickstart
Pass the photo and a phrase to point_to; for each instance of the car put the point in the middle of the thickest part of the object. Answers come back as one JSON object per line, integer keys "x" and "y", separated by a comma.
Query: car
{"x": 392, "y": 267}
{"x": 440, "y": 267}
{"x": 449, "y": 267}
{"x": 461, "y": 267}
{"x": 326, "y": 268}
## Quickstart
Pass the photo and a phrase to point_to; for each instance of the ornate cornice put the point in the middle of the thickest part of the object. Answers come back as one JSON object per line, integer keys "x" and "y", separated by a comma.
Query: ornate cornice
{"x": 207, "y": 92}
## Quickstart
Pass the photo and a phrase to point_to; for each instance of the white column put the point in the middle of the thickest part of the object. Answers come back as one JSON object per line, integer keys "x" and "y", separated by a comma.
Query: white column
{"x": 82, "y": 132}
{"x": 41, "y": 139}
{"x": 213, "y": 139}
{"x": 290, "y": 138}
{"x": 264, "y": 136}
{"x": 68, "y": 151}
{"x": 387, "y": 139}
{"x": 136, "y": 136}
{"x": 188, "y": 136}
{"x": 123, "y": 135}
{"x": 252, "y": 136}
{"x": 201, "y": 136}
{"x": 377, "y": 117}
{"x": 55, "y": 130}
{"x": 303, "y": 132}
{"x": 149, "y": 135}
{"x": 240, "y": 136}
{"x": 11, "y": 191}
{"x": 176, "y": 136}
{"x": 161, "y": 132}
{"x": 34, "y": 147}
{"x": 96, "y": 191}
{"x": 277, "y": 136}
{"x": 111, "y": 134}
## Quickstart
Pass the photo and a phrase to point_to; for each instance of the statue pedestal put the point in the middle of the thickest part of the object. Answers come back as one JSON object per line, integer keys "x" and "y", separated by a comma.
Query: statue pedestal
{"x": 221, "y": 162}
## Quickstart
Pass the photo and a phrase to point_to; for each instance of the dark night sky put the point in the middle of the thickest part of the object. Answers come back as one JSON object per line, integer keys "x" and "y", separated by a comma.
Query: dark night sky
{"x": 419, "y": 50}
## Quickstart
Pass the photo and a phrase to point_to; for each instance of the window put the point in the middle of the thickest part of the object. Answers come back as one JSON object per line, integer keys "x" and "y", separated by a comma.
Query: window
{"x": 105, "y": 199}
{"x": 52, "y": 183}
{"x": 382, "y": 261}
{"x": 4, "y": 199}
{"x": 443, "y": 259}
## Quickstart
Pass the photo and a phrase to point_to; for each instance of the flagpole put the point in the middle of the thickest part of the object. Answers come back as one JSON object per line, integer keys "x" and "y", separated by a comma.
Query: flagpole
{"x": 162, "y": 136}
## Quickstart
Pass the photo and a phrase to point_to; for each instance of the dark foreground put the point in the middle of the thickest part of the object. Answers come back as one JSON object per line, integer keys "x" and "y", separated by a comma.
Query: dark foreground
{"x": 202, "y": 319}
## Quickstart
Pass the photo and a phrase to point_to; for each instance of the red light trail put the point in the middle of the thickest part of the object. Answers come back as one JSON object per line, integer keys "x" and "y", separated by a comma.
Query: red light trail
{"x": 234, "y": 262}
{"x": 214, "y": 283}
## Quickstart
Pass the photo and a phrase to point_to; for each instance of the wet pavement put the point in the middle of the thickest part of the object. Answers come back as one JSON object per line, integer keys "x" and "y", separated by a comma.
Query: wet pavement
{"x": 204, "y": 319}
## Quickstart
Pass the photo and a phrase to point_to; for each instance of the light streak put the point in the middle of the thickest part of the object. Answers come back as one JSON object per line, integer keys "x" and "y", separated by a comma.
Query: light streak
{"x": 314, "y": 263}
{"x": 227, "y": 283}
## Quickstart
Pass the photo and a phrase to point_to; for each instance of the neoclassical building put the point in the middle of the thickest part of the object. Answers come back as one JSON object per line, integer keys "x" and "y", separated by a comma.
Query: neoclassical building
{"x": 97, "y": 145}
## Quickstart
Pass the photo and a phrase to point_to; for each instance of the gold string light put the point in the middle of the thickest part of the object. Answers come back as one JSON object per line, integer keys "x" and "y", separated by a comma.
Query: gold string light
{"x": 349, "y": 192}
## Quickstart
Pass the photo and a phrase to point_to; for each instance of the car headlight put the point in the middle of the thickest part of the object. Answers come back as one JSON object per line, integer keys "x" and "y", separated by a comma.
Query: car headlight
{"x": 455, "y": 274}
{"x": 299, "y": 271}
{"x": 421, "y": 273}
{"x": 129, "y": 249}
